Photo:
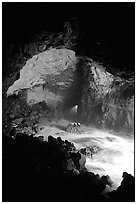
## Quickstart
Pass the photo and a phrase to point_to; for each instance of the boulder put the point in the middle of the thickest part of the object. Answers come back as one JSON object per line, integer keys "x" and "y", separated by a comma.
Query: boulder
{"x": 42, "y": 67}
{"x": 82, "y": 162}
{"x": 73, "y": 127}
{"x": 89, "y": 151}
{"x": 41, "y": 138}
{"x": 18, "y": 120}
{"x": 50, "y": 78}
{"x": 107, "y": 180}
{"x": 79, "y": 160}
{"x": 68, "y": 165}
{"x": 53, "y": 141}
{"x": 86, "y": 151}
{"x": 126, "y": 191}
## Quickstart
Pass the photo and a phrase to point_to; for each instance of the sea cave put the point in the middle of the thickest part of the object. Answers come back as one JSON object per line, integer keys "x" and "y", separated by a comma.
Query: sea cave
{"x": 68, "y": 102}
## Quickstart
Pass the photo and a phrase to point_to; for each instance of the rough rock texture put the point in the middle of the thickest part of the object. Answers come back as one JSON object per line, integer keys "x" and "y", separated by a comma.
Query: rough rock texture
{"x": 49, "y": 78}
{"x": 16, "y": 54}
{"x": 89, "y": 151}
{"x": 60, "y": 80}
{"x": 73, "y": 127}
{"x": 40, "y": 69}
{"x": 107, "y": 101}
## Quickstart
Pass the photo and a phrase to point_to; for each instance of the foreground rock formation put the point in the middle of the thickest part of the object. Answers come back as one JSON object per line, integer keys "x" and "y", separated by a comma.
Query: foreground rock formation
{"x": 53, "y": 170}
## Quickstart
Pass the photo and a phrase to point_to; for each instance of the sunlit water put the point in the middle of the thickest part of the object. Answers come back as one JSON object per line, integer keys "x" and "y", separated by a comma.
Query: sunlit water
{"x": 115, "y": 157}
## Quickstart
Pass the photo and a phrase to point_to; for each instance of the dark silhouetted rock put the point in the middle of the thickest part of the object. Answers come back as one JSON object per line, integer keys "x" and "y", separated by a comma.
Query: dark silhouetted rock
{"x": 86, "y": 151}
{"x": 107, "y": 100}
{"x": 41, "y": 138}
{"x": 89, "y": 151}
{"x": 126, "y": 191}
{"x": 21, "y": 137}
{"x": 107, "y": 180}
{"x": 32, "y": 167}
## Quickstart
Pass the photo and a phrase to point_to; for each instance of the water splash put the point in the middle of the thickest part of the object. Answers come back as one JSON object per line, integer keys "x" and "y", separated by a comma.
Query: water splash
{"x": 116, "y": 155}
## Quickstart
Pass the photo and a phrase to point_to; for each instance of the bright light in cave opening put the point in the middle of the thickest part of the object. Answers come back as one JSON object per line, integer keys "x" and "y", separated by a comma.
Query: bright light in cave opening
{"x": 75, "y": 108}
{"x": 71, "y": 114}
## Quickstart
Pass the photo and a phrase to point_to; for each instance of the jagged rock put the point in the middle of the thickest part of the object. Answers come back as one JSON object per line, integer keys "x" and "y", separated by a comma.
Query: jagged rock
{"x": 52, "y": 141}
{"x": 126, "y": 191}
{"x": 79, "y": 160}
{"x": 41, "y": 138}
{"x": 93, "y": 184}
{"x": 68, "y": 165}
{"x": 82, "y": 162}
{"x": 28, "y": 130}
{"x": 40, "y": 68}
{"x": 89, "y": 151}
{"x": 21, "y": 137}
{"x": 107, "y": 101}
{"x": 73, "y": 127}
{"x": 60, "y": 140}
{"x": 73, "y": 160}
{"x": 41, "y": 162}
{"x": 18, "y": 121}
{"x": 86, "y": 151}
{"x": 95, "y": 149}
{"x": 70, "y": 145}
{"x": 107, "y": 180}
{"x": 46, "y": 80}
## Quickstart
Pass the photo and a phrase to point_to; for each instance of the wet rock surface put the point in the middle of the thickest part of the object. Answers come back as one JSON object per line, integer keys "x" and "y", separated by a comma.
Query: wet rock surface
{"x": 89, "y": 151}
{"x": 33, "y": 166}
{"x": 73, "y": 127}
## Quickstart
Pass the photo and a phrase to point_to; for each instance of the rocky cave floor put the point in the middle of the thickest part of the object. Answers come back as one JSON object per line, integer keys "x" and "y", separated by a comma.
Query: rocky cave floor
{"x": 86, "y": 164}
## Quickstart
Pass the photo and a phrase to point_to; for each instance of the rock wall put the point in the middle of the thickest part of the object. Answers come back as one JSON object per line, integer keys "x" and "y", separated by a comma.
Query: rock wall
{"x": 107, "y": 101}
{"x": 60, "y": 80}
